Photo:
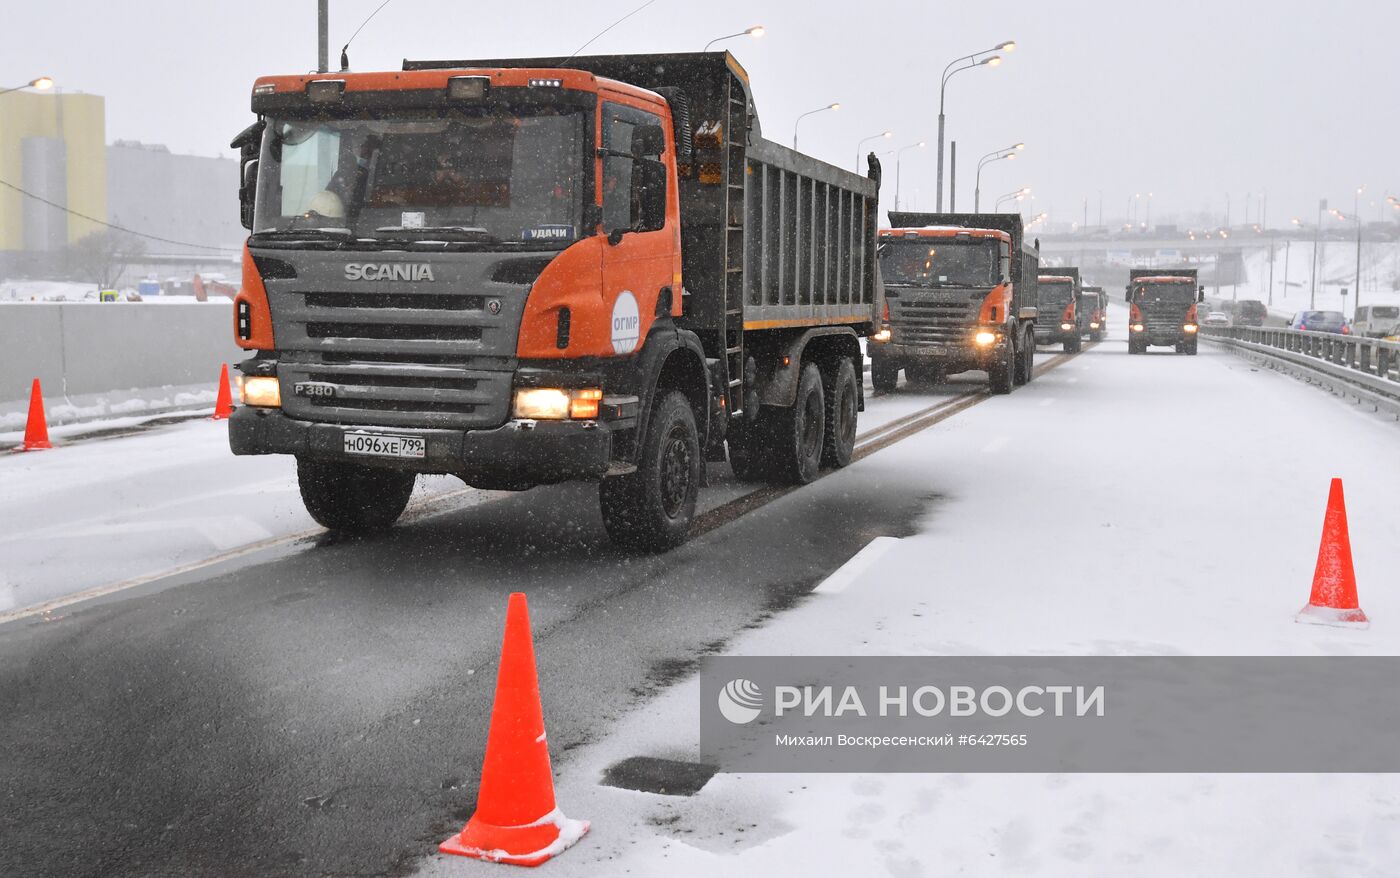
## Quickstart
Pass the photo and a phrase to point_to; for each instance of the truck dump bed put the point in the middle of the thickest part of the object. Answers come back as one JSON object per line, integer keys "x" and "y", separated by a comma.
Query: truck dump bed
{"x": 771, "y": 238}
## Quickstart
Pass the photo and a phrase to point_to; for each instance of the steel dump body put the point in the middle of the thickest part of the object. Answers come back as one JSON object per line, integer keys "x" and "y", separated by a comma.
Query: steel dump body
{"x": 771, "y": 238}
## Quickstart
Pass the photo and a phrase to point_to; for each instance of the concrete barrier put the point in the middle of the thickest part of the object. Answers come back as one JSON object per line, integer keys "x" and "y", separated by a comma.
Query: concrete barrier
{"x": 87, "y": 349}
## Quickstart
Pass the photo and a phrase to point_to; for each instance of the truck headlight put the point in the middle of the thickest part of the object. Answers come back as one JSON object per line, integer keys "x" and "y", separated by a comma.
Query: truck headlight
{"x": 1093, "y": 326}
{"x": 1138, "y": 327}
{"x": 882, "y": 335}
{"x": 1190, "y": 327}
{"x": 1066, "y": 326}
{"x": 985, "y": 338}
{"x": 261, "y": 390}
{"x": 557, "y": 404}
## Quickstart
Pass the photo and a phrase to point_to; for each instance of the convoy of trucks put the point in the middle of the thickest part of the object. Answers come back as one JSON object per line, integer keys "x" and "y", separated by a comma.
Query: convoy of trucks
{"x": 1058, "y": 319}
{"x": 1162, "y": 309}
{"x": 959, "y": 295}
{"x": 531, "y": 271}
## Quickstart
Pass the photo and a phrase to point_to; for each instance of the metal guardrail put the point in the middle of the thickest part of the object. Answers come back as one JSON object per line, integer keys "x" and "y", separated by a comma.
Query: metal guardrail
{"x": 1367, "y": 368}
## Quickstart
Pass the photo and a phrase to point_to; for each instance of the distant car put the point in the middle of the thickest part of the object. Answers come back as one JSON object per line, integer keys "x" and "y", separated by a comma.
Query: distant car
{"x": 1217, "y": 318}
{"x": 1377, "y": 321}
{"x": 1321, "y": 321}
{"x": 1251, "y": 312}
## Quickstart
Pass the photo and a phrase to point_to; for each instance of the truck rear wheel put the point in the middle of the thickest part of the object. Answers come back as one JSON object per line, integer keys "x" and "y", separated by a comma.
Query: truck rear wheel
{"x": 842, "y": 397}
{"x": 884, "y": 376}
{"x": 1000, "y": 373}
{"x": 351, "y": 498}
{"x": 651, "y": 509}
{"x": 799, "y": 432}
{"x": 1025, "y": 361}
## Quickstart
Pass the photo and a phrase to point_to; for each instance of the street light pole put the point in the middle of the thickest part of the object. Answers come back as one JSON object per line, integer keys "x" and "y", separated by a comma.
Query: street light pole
{"x": 864, "y": 141}
{"x": 1356, "y": 301}
{"x": 43, "y": 83}
{"x": 898, "y": 154}
{"x": 1317, "y": 241}
{"x": 756, "y": 31}
{"x": 1017, "y": 195}
{"x": 995, "y": 155}
{"x": 831, "y": 106}
{"x": 323, "y": 50}
{"x": 948, "y": 73}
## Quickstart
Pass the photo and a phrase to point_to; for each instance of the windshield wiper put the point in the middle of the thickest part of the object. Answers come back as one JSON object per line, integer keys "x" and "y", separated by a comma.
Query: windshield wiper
{"x": 439, "y": 233}
{"x": 292, "y": 236}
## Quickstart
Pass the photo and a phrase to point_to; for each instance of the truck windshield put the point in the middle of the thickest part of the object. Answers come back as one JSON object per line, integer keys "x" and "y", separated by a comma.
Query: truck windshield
{"x": 1168, "y": 293}
{"x": 931, "y": 262}
{"x": 1056, "y": 293}
{"x": 1382, "y": 312}
{"x": 455, "y": 177}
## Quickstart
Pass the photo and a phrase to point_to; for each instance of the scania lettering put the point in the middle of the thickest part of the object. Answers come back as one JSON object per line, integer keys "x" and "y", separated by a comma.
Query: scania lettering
{"x": 522, "y": 272}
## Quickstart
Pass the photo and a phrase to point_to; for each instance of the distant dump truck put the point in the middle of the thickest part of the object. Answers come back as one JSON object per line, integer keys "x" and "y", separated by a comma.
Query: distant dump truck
{"x": 1093, "y": 313}
{"x": 529, "y": 271}
{"x": 959, "y": 295}
{"x": 1162, "y": 309}
{"x": 1058, "y": 306}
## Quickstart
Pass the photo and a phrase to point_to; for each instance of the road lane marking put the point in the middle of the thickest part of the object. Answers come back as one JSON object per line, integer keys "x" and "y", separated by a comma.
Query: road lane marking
{"x": 859, "y": 563}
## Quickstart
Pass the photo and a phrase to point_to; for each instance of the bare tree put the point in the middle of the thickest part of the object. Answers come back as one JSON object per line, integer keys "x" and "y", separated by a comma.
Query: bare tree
{"x": 102, "y": 257}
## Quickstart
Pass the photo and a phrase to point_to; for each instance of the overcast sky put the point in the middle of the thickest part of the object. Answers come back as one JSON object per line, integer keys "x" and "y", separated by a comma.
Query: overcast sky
{"x": 1193, "y": 101}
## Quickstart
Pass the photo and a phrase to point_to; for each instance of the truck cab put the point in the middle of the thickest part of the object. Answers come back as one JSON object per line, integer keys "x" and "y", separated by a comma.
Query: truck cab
{"x": 1093, "y": 313}
{"x": 1058, "y": 306}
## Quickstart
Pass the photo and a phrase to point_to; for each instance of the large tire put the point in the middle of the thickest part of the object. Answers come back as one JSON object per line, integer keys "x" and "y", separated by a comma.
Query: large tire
{"x": 799, "y": 432}
{"x": 1135, "y": 348}
{"x": 842, "y": 397}
{"x": 1191, "y": 347}
{"x": 1073, "y": 345}
{"x": 884, "y": 375}
{"x": 351, "y": 498}
{"x": 1025, "y": 361}
{"x": 650, "y": 509}
{"x": 999, "y": 376}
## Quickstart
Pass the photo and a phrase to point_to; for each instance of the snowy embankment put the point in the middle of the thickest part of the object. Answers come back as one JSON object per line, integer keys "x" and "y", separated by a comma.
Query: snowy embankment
{"x": 1380, "y": 277}
{"x": 1157, "y": 505}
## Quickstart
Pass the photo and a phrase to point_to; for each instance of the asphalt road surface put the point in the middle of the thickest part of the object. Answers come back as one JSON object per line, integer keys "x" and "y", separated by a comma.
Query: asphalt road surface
{"x": 322, "y": 709}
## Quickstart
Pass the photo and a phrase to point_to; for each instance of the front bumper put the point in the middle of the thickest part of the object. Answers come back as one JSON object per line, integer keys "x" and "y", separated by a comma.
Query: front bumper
{"x": 965, "y": 355}
{"x": 517, "y": 455}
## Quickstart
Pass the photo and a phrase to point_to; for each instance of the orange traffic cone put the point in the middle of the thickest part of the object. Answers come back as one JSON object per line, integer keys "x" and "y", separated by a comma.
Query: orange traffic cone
{"x": 36, "y": 428}
{"x": 223, "y": 403}
{"x": 516, "y": 819}
{"x": 1333, "y": 600}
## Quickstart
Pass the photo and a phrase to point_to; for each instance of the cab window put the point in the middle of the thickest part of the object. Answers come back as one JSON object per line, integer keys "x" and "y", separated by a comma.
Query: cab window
{"x": 624, "y": 173}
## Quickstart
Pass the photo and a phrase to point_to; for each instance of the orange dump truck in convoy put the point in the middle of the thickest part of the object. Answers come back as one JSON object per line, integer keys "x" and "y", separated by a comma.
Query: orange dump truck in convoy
{"x": 530, "y": 271}
{"x": 960, "y": 294}
{"x": 1162, "y": 309}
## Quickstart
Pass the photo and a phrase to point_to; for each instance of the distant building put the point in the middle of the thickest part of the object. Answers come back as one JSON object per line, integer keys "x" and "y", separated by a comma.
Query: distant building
{"x": 53, "y": 146}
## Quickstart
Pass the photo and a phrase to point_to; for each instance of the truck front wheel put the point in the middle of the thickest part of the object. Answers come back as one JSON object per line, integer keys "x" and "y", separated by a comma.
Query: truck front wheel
{"x": 842, "y": 401}
{"x": 1000, "y": 372}
{"x": 650, "y": 509}
{"x": 351, "y": 498}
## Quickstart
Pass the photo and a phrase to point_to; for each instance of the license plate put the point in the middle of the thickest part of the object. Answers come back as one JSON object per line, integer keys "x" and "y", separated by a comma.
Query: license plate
{"x": 380, "y": 445}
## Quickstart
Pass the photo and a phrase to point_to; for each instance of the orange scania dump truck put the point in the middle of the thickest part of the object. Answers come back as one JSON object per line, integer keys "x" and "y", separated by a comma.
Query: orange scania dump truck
{"x": 530, "y": 271}
{"x": 960, "y": 294}
{"x": 1162, "y": 309}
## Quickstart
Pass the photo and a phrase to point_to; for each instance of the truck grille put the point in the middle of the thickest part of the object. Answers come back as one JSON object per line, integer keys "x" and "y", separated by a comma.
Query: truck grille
{"x": 1163, "y": 318}
{"x": 932, "y": 319}
{"x": 435, "y": 354}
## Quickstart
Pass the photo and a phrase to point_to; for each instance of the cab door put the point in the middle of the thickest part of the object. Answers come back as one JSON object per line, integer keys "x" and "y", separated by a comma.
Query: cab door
{"x": 641, "y": 256}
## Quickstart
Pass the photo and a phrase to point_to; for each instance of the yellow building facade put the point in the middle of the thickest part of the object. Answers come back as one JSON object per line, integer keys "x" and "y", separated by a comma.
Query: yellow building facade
{"x": 68, "y": 131}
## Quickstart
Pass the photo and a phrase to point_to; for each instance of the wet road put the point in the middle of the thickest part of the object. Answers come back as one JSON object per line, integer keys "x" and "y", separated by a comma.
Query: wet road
{"x": 322, "y": 709}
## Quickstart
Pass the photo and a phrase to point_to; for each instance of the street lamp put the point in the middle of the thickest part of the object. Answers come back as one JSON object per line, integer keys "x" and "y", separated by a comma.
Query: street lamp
{"x": 1018, "y": 195}
{"x": 864, "y": 141}
{"x": 897, "y": 154}
{"x": 831, "y": 106}
{"x": 756, "y": 31}
{"x": 43, "y": 83}
{"x": 995, "y": 155}
{"x": 948, "y": 72}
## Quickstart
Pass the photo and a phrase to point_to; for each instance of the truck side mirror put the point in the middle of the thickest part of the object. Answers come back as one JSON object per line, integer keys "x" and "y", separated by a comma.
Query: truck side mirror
{"x": 247, "y": 190}
{"x": 1201, "y": 294}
